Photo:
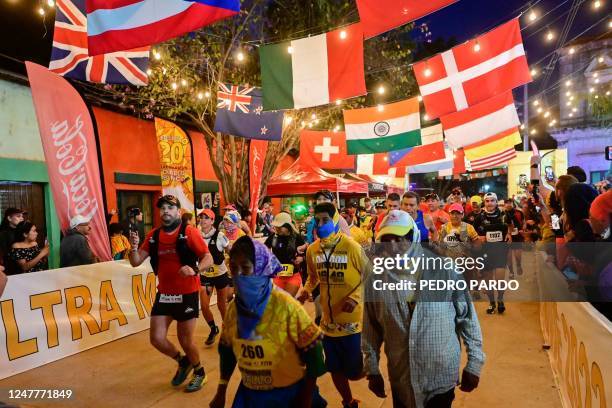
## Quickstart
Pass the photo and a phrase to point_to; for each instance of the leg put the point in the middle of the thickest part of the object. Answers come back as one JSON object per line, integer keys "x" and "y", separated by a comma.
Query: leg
{"x": 205, "y": 301}
{"x": 222, "y": 296}
{"x": 441, "y": 400}
{"x": 184, "y": 332}
{"x": 158, "y": 335}
{"x": 342, "y": 385}
{"x": 500, "y": 274}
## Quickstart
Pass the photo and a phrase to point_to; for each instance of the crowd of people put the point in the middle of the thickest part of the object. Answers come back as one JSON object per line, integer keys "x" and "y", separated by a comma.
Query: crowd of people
{"x": 264, "y": 277}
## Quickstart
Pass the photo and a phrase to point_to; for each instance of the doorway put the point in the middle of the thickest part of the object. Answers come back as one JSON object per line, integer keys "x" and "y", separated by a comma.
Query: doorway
{"x": 140, "y": 199}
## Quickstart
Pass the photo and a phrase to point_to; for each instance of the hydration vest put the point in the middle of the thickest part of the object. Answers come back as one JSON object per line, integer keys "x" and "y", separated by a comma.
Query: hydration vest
{"x": 186, "y": 255}
{"x": 218, "y": 256}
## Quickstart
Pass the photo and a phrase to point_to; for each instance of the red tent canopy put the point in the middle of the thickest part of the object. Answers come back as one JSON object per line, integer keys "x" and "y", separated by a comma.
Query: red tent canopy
{"x": 301, "y": 180}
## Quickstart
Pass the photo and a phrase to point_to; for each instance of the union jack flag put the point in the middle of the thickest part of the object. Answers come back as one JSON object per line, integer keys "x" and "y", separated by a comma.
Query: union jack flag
{"x": 232, "y": 98}
{"x": 70, "y": 56}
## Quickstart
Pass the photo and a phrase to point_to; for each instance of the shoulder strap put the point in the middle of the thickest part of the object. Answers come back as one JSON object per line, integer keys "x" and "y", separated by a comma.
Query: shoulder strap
{"x": 186, "y": 255}
{"x": 154, "y": 248}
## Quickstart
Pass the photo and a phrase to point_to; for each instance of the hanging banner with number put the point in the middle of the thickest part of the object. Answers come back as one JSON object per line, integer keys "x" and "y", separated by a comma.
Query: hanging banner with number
{"x": 175, "y": 157}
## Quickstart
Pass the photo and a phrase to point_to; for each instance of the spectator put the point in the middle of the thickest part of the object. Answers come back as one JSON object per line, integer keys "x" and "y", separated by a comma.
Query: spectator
{"x": 578, "y": 201}
{"x": 578, "y": 173}
{"x": 562, "y": 185}
{"x": 266, "y": 219}
{"x": 189, "y": 219}
{"x": 3, "y": 280}
{"x": 25, "y": 250}
{"x": 74, "y": 249}
{"x": 120, "y": 245}
{"x": 245, "y": 222}
{"x": 133, "y": 222}
{"x": 600, "y": 216}
{"x": 8, "y": 229}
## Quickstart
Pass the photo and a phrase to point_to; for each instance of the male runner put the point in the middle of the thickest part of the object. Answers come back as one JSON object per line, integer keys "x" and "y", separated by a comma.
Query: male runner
{"x": 410, "y": 204}
{"x": 178, "y": 253}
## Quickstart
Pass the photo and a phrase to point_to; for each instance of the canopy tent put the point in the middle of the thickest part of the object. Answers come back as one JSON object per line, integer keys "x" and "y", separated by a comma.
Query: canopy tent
{"x": 299, "y": 179}
{"x": 374, "y": 187}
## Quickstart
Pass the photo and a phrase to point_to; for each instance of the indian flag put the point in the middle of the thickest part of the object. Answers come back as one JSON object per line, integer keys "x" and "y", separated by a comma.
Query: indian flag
{"x": 313, "y": 71}
{"x": 383, "y": 128}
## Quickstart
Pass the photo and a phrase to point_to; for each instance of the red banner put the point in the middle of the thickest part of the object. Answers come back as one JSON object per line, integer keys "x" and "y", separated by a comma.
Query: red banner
{"x": 257, "y": 155}
{"x": 68, "y": 140}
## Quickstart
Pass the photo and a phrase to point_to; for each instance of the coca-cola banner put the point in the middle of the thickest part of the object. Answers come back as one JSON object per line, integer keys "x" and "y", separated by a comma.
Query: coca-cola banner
{"x": 257, "y": 155}
{"x": 68, "y": 141}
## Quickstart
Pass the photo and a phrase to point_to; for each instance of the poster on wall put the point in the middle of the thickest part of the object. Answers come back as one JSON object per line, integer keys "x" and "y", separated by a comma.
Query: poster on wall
{"x": 207, "y": 201}
{"x": 176, "y": 161}
{"x": 68, "y": 140}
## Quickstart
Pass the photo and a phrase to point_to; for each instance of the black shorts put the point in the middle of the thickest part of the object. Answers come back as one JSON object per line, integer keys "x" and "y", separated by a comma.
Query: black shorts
{"x": 183, "y": 309}
{"x": 218, "y": 282}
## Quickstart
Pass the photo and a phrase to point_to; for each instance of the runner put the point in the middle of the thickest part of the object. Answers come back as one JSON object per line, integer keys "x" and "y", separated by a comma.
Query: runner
{"x": 476, "y": 203}
{"x": 216, "y": 276}
{"x": 439, "y": 217}
{"x": 337, "y": 262}
{"x": 365, "y": 222}
{"x": 178, "y": 253}
{"x": 456, "y": 235}
{"x": 410, "y": 204}
{"x": 516, "y": 218}
{"x": 392, "y": 203}
{"x": 356, "y": 233}
{"x": 269, "y": 335}
{"x": 289, "y": 247}
{"x": 231, "y": 226}
{"x": 492, "y": 227}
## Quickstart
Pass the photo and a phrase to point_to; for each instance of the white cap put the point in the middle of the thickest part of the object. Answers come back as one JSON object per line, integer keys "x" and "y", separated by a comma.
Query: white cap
{"x": 78, "y": 220}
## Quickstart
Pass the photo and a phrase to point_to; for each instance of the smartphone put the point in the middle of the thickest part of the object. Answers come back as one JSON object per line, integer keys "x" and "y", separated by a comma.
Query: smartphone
{"x": 549, "y": 173}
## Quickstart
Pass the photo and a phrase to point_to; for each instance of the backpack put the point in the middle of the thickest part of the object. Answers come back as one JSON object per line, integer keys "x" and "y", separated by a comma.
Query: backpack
{"x": 218, "y": 256}
{"x": 186, "y": 255}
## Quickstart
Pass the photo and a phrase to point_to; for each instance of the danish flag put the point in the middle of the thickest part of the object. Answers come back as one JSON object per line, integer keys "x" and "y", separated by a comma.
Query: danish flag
{"x": 473, "y": 71}
{"x": 233, "y": 98}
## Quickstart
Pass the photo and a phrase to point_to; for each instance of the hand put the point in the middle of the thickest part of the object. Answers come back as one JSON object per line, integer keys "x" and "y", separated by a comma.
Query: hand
{"x": 113, "y": 211}
{"x": 187, "y": 271}
{"x": 303, "y": 296}
{"x": 349, "y": 305}
{"x": 298, "y": 260}
{"x": 219, "y": 400}
{"x": 376, "y": 384}
{"x": 469, "y": 381}
{"x": 134, "y": 239}
{"x": 45, "y": 251}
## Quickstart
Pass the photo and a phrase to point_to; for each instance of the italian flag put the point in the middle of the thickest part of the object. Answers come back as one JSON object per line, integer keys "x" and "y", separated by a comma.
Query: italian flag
{"x": 313, "y": 71}
{"x": 383, "y": 128}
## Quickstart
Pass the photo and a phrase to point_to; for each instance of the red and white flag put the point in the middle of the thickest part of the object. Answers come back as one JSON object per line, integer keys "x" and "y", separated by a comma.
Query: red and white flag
{"x": 379, "y": 16}
{"x": 376, "y": 164}
{"x": 481, "y": 121}
{"x": 474, "y": 71}
{"x": 325, "y": 150}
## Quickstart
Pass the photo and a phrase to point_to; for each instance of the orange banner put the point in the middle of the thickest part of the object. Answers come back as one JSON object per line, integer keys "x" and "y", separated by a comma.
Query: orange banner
{"x": 175, "y": 157}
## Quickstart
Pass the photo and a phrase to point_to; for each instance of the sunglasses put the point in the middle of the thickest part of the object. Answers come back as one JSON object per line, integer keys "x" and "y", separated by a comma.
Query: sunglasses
{"x": 456, "y": 192}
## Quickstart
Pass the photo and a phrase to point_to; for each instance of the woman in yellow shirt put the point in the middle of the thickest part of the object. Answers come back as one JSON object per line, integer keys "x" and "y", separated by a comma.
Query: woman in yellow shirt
{"x": 120, "y": 246}
{"x": 269, "y": 335}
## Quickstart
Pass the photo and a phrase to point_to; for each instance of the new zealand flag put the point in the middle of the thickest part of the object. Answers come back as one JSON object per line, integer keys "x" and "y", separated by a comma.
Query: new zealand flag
{"x": 240, "y": 113}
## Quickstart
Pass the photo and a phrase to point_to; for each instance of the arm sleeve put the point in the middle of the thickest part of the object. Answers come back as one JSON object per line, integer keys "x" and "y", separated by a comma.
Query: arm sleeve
{"x": 313, "y": 278}
{"x": 468, "y": 327}
{"x": 371, "y": 340}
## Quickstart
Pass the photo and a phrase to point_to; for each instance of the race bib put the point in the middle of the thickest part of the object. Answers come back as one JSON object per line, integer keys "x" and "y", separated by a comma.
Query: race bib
{"x": 287, "y": 270}
{"x": 256, "y": 360}
{"x": 170, "y": 298}
{"x": 494, "y": 236}
{"x": 212, "y": 271}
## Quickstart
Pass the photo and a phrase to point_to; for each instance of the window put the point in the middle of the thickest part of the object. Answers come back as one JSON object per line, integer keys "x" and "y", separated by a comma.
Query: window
{"x": 140, "y": 199}
{"x": 597, "y": 176}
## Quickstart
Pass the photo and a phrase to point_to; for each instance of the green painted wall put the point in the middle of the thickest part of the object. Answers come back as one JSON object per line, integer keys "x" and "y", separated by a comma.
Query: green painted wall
{"x": 36, "y": 172}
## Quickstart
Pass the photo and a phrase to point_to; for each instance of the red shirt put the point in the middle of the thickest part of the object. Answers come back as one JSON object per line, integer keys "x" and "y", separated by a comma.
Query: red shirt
{"x": 171, "y": 282}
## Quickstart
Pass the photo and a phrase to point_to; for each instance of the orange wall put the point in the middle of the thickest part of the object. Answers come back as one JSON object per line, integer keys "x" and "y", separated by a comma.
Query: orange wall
{"x": 129, "y": 145}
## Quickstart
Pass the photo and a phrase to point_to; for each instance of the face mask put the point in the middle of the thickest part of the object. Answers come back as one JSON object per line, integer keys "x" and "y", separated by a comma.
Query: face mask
{"x": 252, "y": 294}
{"x": 229, "y": 227}
{"x": 327, "y": 229}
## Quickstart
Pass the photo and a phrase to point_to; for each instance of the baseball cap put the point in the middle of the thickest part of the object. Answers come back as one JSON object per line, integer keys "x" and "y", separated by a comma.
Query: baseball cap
{"x": 380, "y": 204}
{"x": 207, "y": 212}
{"x": 281, "y": 219}
{"x": 9, "y": 212}
{"x": 78, "y": 220}
{"x": 456, "y": 207}
{"x": 397, "y": 222}
{"x": 601, "y": 207}
{"x": 325, "y": 194}
{"x": 476, "y": 199}
{"x": 431, "y": 196}
{"x": 491, "y": 195}
{"x": 168, "y": 199}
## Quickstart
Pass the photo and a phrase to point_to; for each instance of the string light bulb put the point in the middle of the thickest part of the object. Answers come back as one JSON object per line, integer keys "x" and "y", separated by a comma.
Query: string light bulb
{"x": 420, "y": 98}
{"x": 546, "y": 114}
{"x": 601, "y": 59}
{"x": 534, "y": 72}
{"x": 572, "y": 50}
{"x": 290, "y": 50}
{"x": 288, "y": 119}
{"x": 380, "y": 108}
{"x": 533, "y": 131}
{"x": 183, "y": 82}
{"x": 477, "y": 46}
{"x": 200, "y": 95}
{"x": 240, "y": 56}
{"x": 50, "y": 3}
{"x": 427, "y": 72}
{"x": 574, "y": 110}
{"x": 533, "y": 15}
{"x": 156, "y": 55}
{"x": 571, "y": 115}
{"x": 207, "y": 94}
{"x": 596, "y": 4}
{"x": 338, "y": 101}
{"x": 522, "y": 126}
{"x": 608, "y": 93}
{"x": 540, "y": 110}
{"x": 149, "y": 72}
{"x": 336, "y": 128}
{"x": 568, "y": 83}
{"x": 592, "y": 90}
{"x": 426, "y": 117}
{"x": 174, "y": 86}
{"x": 381, "y": 90}
{"x": 568, "y": 93}
{"x": 342, "y": 34}
{"x": 550, "y": 35}
{"x": 41, "y": 11}
{"x": 313, "y": 116}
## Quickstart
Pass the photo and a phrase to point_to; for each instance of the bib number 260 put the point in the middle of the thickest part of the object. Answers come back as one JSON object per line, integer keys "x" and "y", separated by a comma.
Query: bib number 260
{"x": 252, "y": 351}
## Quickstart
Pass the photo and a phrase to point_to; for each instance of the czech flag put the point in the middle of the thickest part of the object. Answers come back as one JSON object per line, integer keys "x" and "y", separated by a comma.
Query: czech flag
{"x": 118, "y": 25}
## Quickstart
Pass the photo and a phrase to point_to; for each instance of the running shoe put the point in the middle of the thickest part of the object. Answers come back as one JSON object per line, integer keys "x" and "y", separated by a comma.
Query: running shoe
{"x": 491, "y": 308}
{"x": 196, "y": 383}
{"x": 501, "y": 308}
{"x": 181, "y": 374}
{"x": 211, "y": 337}
{"x": 353, "y": 404}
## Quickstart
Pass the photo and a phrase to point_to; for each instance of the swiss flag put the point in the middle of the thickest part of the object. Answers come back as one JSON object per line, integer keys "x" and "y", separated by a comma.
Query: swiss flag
{"x": 325, "y": 149}
{"x": 379, "y": 16}
{"x": 473, "y": 71}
